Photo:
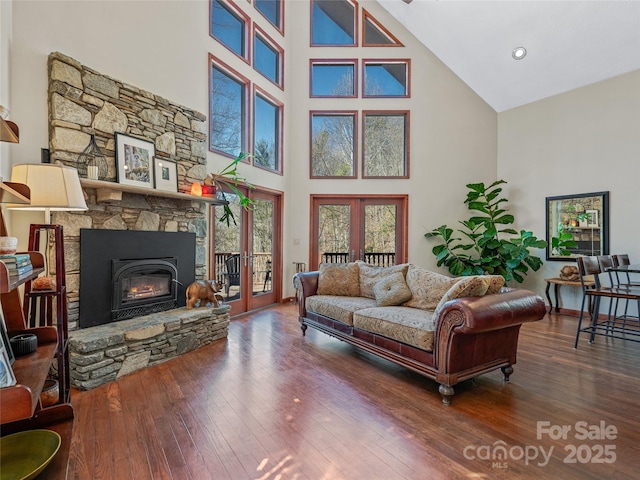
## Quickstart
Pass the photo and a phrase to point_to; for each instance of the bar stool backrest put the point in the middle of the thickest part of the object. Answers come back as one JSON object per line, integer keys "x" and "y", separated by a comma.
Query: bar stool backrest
{"x": 589, "y": 265}
{"x": 606, "y": 262}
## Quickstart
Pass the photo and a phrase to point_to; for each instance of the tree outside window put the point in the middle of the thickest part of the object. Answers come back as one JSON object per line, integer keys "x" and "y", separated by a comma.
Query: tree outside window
{"x": 226, "y": 113}
{"x": 385, "y": 144}
{"x": 333, "y": 144}
{"x": 266, "y": 134}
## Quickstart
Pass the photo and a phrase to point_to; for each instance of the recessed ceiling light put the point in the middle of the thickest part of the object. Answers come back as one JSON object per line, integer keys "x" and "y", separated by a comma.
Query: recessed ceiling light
{"x": 519, "y": 53}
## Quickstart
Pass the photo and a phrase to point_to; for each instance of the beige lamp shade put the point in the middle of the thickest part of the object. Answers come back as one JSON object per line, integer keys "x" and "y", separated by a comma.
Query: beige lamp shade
{"x": 53, "y": 187}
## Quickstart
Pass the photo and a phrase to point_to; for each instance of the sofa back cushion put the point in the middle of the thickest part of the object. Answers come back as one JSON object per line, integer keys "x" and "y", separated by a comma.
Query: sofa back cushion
{"x": 427, "y": 288}
{"x": 392, "y": 290}
{"x": 370, "y": 275}
{"x": 473, "y": 286}
{"x": 339, "y": 279}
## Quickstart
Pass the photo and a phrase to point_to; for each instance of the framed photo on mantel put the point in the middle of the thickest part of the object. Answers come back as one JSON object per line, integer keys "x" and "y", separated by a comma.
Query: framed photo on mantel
{"x": 165, "y": 174}
{"x": 134, "y": 161}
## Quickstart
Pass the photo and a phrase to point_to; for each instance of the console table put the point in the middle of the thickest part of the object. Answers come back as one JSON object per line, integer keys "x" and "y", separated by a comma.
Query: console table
{"x": 557, "y": 282}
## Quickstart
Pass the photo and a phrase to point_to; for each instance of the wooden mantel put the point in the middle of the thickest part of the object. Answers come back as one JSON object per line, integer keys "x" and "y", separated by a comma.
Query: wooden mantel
{"x": 112, "y": 191}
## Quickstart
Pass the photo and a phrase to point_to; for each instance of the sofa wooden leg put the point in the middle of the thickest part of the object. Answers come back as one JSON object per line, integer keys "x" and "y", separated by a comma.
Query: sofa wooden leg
{"x": 447, "y": 392}
{"x": 506, "y": 371}
{"x": 303, "y": 327}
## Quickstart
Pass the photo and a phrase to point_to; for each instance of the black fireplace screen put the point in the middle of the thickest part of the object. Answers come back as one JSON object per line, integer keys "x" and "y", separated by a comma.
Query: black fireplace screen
{"x": 143, "y": 286}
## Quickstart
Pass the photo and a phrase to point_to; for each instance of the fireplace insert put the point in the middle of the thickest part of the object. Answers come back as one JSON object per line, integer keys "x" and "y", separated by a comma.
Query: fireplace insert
{"x": 143, "y": 286}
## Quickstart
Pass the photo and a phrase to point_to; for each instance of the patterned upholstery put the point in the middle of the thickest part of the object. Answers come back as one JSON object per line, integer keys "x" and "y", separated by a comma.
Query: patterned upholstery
{"x": 427, "y": 288}
{"x": 474, "y": 286}
{"x": 391, "y": 290}
{"x": 370, "y": 275}
{"x": 412, "y": 326}
{"x": 494, "y": 282}
{"x": 339, "y": 279}
{"x": 338, "y": 307}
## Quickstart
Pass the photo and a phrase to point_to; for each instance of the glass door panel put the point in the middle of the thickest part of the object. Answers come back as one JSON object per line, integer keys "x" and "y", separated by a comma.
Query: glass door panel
{"x": 334, "y": 233}
{"x": 229, "y": 252}
{"x": 262, "y": 244}
{"x": 380, "y": 234}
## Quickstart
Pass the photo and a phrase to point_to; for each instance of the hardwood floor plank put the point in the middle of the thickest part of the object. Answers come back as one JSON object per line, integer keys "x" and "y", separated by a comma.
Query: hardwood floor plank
{"x": 120, "y": 456}
{"x": 268, "y": 403}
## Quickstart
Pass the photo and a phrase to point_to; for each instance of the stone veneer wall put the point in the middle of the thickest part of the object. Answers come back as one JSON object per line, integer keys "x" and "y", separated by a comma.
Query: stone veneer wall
{"x": 101, "y": 354}
{"x": 84, "y": 102}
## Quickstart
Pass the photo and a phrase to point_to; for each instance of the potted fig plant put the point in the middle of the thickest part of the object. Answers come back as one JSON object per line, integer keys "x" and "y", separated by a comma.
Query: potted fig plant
{"x": 484, "y": 245}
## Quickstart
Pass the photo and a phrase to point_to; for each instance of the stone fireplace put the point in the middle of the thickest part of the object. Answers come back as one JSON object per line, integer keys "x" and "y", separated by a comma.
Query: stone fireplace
{"x": 83, "y": 102}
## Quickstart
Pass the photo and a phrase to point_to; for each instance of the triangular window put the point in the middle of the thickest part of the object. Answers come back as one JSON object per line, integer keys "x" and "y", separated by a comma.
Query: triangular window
{"x": 375, "y": 35}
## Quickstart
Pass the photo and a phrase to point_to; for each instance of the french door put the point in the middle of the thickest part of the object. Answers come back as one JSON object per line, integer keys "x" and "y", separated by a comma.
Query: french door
{"x": 371, "y": 228}
{"x": 245, "y": 257}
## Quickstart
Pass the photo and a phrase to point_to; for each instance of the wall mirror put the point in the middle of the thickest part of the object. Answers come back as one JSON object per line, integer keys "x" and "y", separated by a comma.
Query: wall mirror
{"x": 582, "y": 218}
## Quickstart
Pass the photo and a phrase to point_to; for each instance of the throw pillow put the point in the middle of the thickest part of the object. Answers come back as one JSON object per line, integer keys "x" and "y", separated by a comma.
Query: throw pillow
{"x": 370, "y": 275}
{"x": 427, "y": 288}
{"x": 473, "y": 286}
{"x": 391, "y": 290}
{"x": 339, "y": 279}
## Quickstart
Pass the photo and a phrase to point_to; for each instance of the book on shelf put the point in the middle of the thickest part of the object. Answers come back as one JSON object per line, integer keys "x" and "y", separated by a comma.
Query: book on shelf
{"x": 15, "y": 258}
{"x": 20, "y": 272}
{"x": 15, "y": 265}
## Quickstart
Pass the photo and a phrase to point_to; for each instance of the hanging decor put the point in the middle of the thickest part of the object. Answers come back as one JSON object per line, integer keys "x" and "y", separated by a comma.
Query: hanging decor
{"x": 92, "y": 163}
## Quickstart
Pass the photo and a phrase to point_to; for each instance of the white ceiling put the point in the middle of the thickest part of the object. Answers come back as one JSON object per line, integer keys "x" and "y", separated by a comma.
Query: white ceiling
{"x": 569, "y": 43}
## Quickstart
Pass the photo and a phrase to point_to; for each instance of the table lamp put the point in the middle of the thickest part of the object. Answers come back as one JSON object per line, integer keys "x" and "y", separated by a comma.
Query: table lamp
{"x": 53, "y": 188}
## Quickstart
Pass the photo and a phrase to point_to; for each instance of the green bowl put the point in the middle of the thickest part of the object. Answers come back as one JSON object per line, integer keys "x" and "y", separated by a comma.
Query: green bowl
{"x": 24, "y": 455}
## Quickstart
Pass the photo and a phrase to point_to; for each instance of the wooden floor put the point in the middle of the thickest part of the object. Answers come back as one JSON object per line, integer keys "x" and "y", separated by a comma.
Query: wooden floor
{"x": 268, "y": 403}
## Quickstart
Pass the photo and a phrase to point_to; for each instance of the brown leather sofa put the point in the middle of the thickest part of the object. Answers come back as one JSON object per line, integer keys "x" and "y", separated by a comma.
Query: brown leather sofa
{"x": 471, "y": 336}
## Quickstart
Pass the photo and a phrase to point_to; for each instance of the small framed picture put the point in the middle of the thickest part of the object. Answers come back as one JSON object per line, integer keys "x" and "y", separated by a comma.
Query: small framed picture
{"x": 5, "y": 340}
{"x": 165, "y": 174}
{"x": 7, "y": 378}
{"x": 134, "y": 161}
{"x": 592, "y": 221}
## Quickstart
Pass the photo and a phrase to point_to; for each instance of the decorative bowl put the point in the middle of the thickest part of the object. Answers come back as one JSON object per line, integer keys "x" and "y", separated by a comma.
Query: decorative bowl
{"x": 50, "y": 393}
{"x": 24, "y": 455}
{"x": 23, "y": 344}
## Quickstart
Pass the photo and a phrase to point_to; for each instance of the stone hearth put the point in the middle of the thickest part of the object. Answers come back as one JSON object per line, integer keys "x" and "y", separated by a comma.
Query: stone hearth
{"x": 104, "y": 353}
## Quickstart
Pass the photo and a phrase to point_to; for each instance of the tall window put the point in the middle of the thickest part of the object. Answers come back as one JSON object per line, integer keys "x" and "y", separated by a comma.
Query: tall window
{"x": 272, "y": 10}
{"x": 333, "y": 144}
{"x": 333, "y": 79}
{"x": 227, "y": 110}
{"x": 386, "y": 78}
{"x": 267, "y": 57}
{"x": 266, "y": 141}
{"x": 333, "y": 22}
{"x": 385, "y": 140}
{"x": 228, "y": 26}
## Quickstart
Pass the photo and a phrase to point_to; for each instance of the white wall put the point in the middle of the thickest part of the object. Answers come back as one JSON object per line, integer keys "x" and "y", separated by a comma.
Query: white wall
{"x": 586, "y": 140}
{"x": 162, "y": 46}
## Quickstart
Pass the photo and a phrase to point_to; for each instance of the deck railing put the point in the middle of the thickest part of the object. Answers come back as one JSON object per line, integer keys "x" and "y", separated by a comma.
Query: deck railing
{"x": 372, "y": 258}
{"x": 261, "y": 265}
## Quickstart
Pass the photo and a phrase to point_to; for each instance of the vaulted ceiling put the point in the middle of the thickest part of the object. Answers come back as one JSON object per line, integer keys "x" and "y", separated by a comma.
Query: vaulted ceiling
{"x": 569, "y": 43}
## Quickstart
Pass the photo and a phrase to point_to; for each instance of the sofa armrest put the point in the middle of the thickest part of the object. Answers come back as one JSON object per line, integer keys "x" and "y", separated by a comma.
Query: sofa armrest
{"x": 471, "y": 315}
{"x": 306, "y": 284}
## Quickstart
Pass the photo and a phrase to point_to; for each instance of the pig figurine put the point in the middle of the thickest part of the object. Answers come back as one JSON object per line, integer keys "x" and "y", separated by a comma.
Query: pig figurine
{"x": 203, "y": 290}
